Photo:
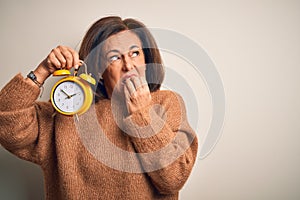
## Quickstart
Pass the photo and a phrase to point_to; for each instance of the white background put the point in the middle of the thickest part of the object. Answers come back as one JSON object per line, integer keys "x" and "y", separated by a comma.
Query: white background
{"x": 255, "y": 46}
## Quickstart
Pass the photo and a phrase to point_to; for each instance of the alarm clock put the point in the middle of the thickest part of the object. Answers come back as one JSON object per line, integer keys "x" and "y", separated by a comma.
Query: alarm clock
{"x": 72, "y": 95}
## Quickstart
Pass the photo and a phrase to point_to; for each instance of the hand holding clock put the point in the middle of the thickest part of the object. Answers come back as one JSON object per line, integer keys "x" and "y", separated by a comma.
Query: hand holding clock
{"x": 61, "y": 57}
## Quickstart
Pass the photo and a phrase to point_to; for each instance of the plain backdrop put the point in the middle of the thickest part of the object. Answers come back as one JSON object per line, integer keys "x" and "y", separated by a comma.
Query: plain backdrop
{"x": 255, "y": 46}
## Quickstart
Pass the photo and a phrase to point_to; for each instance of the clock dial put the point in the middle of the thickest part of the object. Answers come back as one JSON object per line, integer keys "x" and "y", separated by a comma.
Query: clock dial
{"x": 68, "y": 97}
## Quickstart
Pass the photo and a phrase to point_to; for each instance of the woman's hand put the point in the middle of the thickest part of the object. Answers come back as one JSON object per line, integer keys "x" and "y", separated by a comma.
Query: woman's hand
{"x": 61, "y": 57}
{"x": 137, "y": 93}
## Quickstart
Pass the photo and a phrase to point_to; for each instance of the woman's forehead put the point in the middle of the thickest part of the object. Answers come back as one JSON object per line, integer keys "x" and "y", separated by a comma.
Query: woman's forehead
{"x": 122, "y": 42}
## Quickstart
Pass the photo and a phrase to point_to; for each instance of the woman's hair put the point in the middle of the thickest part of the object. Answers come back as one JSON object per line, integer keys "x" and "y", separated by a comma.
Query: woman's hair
{"x": 91, "y": 49}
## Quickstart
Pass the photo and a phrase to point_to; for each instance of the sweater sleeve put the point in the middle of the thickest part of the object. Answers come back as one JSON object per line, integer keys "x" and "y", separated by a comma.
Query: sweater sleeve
{"x": 166, "y": 144}
{"x": 25, "y": 125}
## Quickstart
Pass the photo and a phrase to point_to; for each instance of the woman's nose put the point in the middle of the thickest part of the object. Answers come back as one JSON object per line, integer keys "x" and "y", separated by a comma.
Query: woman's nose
{"x": 127, "y": 63}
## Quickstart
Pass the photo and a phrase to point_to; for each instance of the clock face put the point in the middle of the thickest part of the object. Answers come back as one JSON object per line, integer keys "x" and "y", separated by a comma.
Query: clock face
{"x": 68, "y": 97}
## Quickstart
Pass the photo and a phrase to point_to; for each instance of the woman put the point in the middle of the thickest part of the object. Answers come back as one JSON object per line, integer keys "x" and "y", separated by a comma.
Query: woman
{"x": 124, "y": 56}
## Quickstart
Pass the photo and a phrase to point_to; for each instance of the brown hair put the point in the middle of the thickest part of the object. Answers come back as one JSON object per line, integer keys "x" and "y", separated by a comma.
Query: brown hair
{"x": 108, "y": 26}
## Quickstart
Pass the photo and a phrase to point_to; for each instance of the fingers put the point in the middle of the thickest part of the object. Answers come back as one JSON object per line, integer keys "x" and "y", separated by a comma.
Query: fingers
{"x": 63, "y": 57}
{"x": 144, "y": 83}
{"x": 76, "y": 61}
{"x": 52, "y": 60}
{"x": 127, "y": 94}
{"x": 137, "y": 93}
{"x": 136, "y": 83}
{"x": 140, "y": 81}
{"x": 130, "y": 86}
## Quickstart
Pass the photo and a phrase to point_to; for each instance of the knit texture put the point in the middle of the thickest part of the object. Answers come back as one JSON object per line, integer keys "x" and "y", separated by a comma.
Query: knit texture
{"x": 103, "y": 154}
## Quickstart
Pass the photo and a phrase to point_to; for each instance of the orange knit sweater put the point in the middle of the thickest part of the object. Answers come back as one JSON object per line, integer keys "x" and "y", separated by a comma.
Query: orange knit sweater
{"x": 149, "y": 157}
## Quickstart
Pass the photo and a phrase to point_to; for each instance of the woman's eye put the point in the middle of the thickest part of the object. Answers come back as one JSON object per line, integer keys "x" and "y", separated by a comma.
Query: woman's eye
{"x": 135, "y": 54}
{"x": 113, "y": 58}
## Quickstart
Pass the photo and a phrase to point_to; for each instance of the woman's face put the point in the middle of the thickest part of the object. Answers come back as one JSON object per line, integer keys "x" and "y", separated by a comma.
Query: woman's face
{"x": 124, "y": 58}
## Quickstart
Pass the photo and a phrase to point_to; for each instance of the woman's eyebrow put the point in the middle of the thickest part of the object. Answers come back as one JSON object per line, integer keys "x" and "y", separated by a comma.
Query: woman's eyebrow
{"x": 117, "y": 51}
{"x": 112, "y": 51}
{"x": 133, "y": 47}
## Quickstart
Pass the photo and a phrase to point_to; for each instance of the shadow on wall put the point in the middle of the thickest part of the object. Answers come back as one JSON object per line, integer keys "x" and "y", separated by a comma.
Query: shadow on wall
{"x": 19, "y": 179}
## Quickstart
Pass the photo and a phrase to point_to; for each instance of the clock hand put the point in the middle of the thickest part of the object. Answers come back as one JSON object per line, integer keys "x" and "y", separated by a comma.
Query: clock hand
{"x": 68, "y": 96}
{"x": 73, "y": 95}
